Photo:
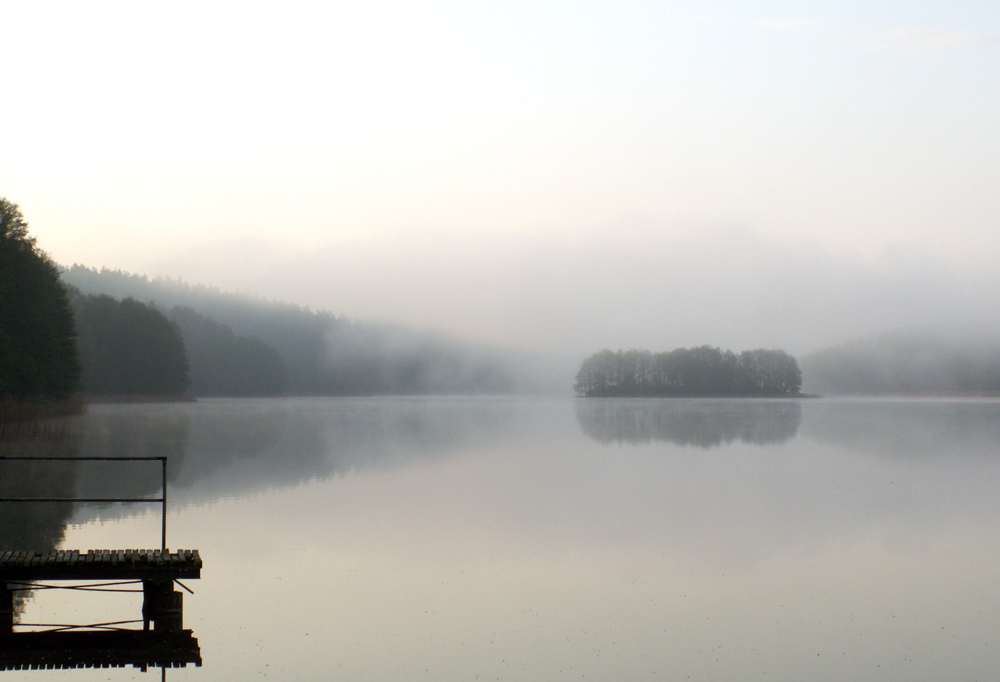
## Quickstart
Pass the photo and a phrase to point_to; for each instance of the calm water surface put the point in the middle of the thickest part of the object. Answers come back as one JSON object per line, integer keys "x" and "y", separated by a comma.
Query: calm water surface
{"x": 560, "y": 539}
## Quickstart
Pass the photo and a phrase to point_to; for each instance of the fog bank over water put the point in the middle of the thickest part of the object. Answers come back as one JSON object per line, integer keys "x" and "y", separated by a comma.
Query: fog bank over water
{"x": 632, "y": 283}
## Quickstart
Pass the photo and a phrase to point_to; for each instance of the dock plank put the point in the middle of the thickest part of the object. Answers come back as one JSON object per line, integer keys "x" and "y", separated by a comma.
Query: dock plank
{"x": 99, "y": 565}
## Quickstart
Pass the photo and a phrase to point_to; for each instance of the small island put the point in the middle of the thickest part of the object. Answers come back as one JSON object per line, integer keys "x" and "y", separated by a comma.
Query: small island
{"x": 703, "y": 371}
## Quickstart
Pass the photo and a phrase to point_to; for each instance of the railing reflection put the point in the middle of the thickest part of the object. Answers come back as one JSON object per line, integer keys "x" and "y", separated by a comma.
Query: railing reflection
{"x": 694, "y": 423}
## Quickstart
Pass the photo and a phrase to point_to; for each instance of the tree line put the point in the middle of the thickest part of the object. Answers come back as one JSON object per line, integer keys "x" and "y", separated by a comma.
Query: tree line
{"x": 700, "y": 371}
{"x": 130, "y": 348}
{"x": 56, "y": 341}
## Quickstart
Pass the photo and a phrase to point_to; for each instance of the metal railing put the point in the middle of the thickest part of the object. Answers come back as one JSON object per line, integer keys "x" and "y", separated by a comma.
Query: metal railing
{"x": 162, "y": 500}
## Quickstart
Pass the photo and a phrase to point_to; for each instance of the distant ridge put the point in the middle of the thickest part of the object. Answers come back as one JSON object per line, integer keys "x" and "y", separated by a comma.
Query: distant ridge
{"x": 323, "y": 354}
{"x": 908, "y": 362}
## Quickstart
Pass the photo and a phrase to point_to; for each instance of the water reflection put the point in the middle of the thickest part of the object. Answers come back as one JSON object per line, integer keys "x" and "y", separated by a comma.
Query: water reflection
{"x": 221, "y": 448}
{"x": 698, "y": 423}
{"x": 130, "y": 430}
{"x": 226, "y": 448}
{"x": 38, "y": 527}
{"x": 444, "y": 539}
{"x": 35, "y": 526}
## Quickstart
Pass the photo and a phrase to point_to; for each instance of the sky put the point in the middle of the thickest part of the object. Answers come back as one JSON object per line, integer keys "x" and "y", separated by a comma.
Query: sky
{"x": 544, "y": 175}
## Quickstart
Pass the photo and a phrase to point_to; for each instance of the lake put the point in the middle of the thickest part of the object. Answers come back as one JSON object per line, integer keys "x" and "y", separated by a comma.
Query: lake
{"x": 550, "y": 538}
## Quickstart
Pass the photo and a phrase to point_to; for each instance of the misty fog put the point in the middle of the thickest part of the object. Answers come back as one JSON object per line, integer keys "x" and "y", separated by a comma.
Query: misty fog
{"x": 637, "y": 283}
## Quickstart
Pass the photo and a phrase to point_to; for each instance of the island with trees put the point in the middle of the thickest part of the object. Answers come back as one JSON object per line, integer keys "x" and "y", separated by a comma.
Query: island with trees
{"x": 701, "y": 371}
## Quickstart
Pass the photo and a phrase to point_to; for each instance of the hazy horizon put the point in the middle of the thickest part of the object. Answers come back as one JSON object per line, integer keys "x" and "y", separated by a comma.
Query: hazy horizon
{"x": 729, "y": 290}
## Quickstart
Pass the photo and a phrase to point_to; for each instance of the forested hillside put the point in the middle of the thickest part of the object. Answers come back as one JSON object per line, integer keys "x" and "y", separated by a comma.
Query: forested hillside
{"x": 128, "y": 348}
{"x": 223, "y": 363}
{"x": 907, "y": 362}
{"x": 701, "y": 371}
{"x": 322, "y": 354}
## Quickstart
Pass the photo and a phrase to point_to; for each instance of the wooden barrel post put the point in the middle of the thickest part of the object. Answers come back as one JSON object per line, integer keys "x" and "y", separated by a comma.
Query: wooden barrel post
{"x": 162, "y": 606}
{"x": 170, "y": 612}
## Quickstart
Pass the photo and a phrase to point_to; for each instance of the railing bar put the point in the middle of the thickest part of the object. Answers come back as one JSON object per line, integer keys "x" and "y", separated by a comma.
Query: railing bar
{"x": 83, "y": 499}
{"x": 27, "y": 585}
{"x": 84, "y": 459}
{"x": 68, "y": 626}
{"x": 81, "y": 589}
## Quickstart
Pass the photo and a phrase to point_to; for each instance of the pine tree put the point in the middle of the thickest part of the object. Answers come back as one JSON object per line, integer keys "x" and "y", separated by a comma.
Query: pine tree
{"x": 38, "y": 357}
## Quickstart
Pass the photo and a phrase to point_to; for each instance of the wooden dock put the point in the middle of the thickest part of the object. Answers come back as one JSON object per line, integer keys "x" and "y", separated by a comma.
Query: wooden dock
{"x": 163, "y": 642}
{"x": 157, "y": 569}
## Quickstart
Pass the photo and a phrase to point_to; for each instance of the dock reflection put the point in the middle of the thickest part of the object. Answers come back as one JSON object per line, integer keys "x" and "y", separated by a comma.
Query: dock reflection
{"x": 70, "y": 649}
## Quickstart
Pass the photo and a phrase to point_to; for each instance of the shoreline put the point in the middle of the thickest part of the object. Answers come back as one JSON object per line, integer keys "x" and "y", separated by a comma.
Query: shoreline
{"x": 109, "y": 399}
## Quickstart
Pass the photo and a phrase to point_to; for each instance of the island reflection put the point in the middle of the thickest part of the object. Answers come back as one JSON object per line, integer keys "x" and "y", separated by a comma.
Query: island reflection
{"x": 689, "y": 423}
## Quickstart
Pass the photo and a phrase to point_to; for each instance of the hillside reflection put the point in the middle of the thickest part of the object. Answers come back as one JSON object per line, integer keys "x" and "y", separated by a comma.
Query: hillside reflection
{"x": 694, "y": 423}
{"x": 220, "y": 448}
{"x": 33, "y": 526}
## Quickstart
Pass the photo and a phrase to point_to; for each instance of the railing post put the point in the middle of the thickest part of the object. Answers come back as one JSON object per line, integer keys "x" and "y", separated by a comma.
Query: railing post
{"x": 163, "y": 527}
